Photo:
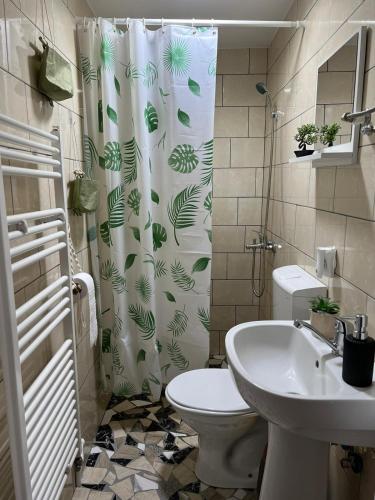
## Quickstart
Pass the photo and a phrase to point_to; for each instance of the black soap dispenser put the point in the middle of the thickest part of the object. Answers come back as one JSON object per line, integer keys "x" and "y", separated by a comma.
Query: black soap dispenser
{"x": 358, "y": 357}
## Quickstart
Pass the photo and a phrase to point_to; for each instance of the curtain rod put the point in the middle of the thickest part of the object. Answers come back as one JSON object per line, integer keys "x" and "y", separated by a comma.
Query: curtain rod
{"x": 208, "y": 22}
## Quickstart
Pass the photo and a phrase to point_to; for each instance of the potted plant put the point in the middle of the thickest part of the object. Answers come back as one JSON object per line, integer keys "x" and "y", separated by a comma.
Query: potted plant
{"x": 328, "y": 134}
{"x": 307, "y": 135}
{"x": 323, "y": 315}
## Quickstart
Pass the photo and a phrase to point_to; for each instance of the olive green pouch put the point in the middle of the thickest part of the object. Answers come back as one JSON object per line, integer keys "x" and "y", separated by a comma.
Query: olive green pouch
{"x": 84, "y": 197}
{"x": 55, "y": 75}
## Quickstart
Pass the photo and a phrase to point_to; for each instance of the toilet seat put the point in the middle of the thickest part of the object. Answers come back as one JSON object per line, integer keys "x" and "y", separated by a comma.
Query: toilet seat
{"x": 207, "y": 390}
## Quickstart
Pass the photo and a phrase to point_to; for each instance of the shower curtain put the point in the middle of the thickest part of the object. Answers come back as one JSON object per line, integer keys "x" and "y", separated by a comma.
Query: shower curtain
{"x": 149, "y": 101}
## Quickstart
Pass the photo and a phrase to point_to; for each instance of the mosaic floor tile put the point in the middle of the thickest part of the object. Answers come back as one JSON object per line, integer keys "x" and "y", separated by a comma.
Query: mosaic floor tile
{"x": 143, "y": 450}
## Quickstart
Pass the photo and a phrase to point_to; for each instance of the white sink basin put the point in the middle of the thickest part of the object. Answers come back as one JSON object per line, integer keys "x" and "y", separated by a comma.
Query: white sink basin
{"x": 295, "y": 382}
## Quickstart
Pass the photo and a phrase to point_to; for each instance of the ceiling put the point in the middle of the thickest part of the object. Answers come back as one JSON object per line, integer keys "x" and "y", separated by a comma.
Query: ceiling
{"x": 204, "y": 9}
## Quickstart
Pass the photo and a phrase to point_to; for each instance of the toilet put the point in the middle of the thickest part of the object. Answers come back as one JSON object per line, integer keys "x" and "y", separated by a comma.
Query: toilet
{"x": 232, "y": 436}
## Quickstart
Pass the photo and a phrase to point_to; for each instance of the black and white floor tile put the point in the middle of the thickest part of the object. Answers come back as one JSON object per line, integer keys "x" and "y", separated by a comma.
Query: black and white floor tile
{"x": 143, "y": 450}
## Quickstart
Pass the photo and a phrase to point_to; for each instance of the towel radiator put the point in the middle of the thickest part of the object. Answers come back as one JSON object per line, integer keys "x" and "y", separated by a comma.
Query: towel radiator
{"x": 43, "y": 421}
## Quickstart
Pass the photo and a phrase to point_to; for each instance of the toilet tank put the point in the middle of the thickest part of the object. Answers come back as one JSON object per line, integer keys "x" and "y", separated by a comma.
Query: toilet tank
{"x": 293, "y": 289}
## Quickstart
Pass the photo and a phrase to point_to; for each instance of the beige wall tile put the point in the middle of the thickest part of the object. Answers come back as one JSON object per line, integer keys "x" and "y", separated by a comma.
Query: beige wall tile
{"x": 257, "y": 122}
{"x": 224, "y": 211}
{"x": 247, "y": 152}
{"x": 219, "y": 265}
{"x": 13, "y": 101}
{"x": 258, "y": 61}
{"x": 231, "y": 122}
{"x": 221, "y": 152}
{"x": 246, "y": 313}
{"x": 359, "y": 262}
{"x": 222, "y": 317}
{"x": 239, "y": 90}
{"x": 355, "y": 187}
{"x": 233, "y": 61}
{"x": 234, "y": 182}
{"x": 219, "y": 91}
{"x": 228, "y": 238}
{"x": 305, "y": 230}
{"x": 370, "y": 311}
{"x": 232, "y": 292}
{"x": 240, "y": 265}
{"x": 214, "y": 343}
{"x": 249, "y": 211}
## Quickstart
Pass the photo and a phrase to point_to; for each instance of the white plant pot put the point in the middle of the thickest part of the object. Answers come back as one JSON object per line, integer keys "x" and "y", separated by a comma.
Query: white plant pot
{"x": 324, "y": 323}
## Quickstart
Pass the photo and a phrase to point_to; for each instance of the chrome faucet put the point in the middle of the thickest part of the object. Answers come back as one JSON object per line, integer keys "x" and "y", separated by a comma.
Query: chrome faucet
{"x": 341, "y": 329}
{"x": 335, "y": 344}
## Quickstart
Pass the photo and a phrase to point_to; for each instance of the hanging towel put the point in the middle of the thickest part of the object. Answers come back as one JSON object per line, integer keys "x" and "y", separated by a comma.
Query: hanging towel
{"x": 88, "y": 288}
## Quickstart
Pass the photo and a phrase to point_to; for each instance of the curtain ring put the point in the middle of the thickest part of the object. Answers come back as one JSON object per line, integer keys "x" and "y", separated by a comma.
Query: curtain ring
{"x": 144, "y": 25}
{"x": 127, "y": 23}
{"x": 192, "y": 25}
{"x": 162, "y": 25}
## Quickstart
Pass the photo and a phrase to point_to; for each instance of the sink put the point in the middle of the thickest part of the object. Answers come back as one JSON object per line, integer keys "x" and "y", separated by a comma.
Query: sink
{"x": 294, "y": 381}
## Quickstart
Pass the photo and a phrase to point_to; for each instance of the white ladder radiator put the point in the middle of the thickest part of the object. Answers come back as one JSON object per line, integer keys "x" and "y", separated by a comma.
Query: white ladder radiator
{"x": 43, "y": 422}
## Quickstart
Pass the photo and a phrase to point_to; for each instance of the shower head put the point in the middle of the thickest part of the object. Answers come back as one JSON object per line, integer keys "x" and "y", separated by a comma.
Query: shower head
{"x": 261, "y": 88}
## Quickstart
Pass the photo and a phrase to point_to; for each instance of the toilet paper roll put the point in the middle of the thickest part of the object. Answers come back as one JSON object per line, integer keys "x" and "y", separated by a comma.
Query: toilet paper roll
{"x": 88, "y": 288}
{"x": 325, "y": 261}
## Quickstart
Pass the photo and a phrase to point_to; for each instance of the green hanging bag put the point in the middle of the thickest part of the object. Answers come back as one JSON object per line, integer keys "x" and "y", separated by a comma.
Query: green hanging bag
{"x": 55, "y": 75}
{"x": 84, "y": 195}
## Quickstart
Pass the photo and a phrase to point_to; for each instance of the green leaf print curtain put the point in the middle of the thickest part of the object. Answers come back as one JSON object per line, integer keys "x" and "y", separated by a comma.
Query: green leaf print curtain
{"x": 149, "y": 110}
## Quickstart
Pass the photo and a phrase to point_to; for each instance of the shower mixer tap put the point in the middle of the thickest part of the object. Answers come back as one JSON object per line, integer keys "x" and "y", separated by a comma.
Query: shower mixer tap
{"x": 263, "y": 244}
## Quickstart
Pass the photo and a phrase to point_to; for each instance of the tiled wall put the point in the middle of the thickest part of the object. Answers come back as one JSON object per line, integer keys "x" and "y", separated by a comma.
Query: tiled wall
{"x": 23, "y": 21}
{"x": 324, "y": 206}
{"x": 237, "y": 187}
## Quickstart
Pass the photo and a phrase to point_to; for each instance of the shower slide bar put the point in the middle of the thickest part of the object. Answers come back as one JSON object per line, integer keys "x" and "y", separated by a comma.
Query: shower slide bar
{"x": 43, "y": 420}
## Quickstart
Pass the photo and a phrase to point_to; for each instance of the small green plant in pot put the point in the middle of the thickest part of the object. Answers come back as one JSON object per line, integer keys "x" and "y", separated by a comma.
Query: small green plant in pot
{"x": 323, "y": 315}
{"x": 307, "y": 135}
{"x": 328, "y": 134}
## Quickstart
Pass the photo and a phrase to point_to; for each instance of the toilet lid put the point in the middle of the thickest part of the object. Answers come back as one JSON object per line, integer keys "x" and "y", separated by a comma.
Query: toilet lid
{"x": 209, "y": 389}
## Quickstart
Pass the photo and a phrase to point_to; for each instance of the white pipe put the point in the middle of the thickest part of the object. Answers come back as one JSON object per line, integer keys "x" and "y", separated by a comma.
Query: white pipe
{"x": 46, "y": 372}
{"x": 56, "y": 493}
{"x": 32, "y": 335}
{"x": 18, "y": 155}
{"x": 51, "y": 397}
{"x": 37, "y": 440}
{"x": 54, "y": 469}
{"x": 49, "y": 387}
{"x": 26, "y": 142}
{"x": 38, "y": 242}
{"x": 38, "y": 228}
{"x": 36, "y": 343}
{"x": 37, "y": 256}
{"x": 40, "y": 311}
{"x": 209, "y": 22}
{"x": 40, "y": 296}
{"x": 17, "y": 124}
{"x": 55, "y": 464}
{"x": 65, "y": 428}
{"x": 40, "y": 214}
{"x": 43, "y": 174}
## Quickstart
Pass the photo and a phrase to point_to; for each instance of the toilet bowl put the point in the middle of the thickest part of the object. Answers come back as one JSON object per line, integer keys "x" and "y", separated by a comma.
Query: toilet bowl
{"x": 232, "y": 436}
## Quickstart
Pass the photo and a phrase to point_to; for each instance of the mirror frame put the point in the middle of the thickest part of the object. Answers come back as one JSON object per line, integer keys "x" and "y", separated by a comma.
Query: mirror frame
{"x": 347, "y": 153}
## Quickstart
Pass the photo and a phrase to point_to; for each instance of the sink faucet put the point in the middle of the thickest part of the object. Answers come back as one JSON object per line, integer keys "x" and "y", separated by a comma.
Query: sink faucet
{"x": 334, "y": 344}
{"x": 337, "y": 344}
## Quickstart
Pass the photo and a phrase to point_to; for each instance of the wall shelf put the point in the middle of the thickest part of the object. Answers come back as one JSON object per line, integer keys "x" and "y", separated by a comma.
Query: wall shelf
{"x": 335, "y": 156}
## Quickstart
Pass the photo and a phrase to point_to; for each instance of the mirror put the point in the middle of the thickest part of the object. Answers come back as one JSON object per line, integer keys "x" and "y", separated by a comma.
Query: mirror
{"x": 336, "y": 89}
{"x": 339, "y": 90}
